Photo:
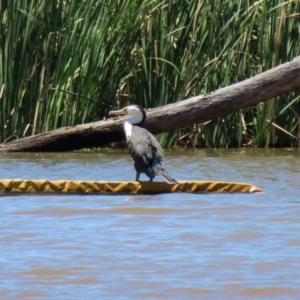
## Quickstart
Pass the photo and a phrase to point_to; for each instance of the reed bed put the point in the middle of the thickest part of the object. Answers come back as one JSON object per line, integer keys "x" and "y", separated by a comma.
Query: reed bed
{"x": 69, "y": 62}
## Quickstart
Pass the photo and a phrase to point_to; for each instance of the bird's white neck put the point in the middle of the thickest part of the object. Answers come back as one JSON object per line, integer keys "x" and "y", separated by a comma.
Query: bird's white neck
{"x": 127, "y": 128}
{"x": 129, "y": 122}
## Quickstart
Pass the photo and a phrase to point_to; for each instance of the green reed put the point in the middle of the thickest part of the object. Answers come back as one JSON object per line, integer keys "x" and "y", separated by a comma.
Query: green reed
{"x": 69, "y": 62}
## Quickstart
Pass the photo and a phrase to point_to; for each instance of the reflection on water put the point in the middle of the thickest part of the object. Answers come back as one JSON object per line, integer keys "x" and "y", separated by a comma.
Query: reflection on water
{"x": 169, "y": 246}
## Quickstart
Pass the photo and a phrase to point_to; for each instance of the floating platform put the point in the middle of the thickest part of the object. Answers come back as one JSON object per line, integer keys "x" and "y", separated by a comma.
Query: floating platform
{"x": 20, "y": 186}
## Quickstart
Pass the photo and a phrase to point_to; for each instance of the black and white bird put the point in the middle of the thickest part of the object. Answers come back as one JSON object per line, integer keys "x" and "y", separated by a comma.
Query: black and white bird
{"x": 143, "y": 147}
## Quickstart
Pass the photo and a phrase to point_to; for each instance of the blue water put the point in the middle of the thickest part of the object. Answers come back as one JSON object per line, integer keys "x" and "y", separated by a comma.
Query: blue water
{"x": 168, "y": 246}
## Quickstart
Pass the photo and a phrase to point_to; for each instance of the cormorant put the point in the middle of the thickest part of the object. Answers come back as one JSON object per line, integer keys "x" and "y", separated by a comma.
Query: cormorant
{"x": 143, "y": 147}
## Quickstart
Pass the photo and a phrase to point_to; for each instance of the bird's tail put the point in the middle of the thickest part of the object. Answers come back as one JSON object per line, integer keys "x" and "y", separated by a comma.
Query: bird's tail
{"x": 167, "y": 177}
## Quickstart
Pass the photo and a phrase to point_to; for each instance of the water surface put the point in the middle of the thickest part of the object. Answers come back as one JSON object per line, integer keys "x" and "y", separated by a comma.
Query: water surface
{"x": 167, "y": 246}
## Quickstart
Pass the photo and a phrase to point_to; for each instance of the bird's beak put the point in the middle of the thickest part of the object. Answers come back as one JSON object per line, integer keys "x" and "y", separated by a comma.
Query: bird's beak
{"x": 121, "y": 112}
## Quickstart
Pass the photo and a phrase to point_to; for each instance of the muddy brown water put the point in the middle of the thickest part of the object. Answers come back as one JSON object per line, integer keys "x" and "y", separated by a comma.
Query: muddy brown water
{"x": 166, "y": 246}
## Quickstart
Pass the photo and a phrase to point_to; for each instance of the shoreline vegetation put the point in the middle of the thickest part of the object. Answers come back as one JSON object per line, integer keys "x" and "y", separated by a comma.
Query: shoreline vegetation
{"x": 65, "y": 63}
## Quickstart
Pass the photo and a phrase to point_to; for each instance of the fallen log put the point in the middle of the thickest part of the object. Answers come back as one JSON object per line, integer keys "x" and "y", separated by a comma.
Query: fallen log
{"x": 267, "y": 85}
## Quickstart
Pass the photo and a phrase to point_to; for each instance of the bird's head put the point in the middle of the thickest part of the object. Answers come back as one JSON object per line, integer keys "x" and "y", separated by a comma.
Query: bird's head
{"x": 136, "y": 115}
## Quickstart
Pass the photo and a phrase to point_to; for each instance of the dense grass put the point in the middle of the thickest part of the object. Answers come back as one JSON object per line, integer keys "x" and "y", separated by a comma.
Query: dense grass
{"x": 69, "y": 62}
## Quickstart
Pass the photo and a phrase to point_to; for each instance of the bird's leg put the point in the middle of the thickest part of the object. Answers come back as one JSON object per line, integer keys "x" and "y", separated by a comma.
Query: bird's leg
{"x": 137, "y": 177}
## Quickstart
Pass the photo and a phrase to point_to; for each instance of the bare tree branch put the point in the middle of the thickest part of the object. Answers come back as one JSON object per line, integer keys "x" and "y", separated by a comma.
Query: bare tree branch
{"x": 262, "y": 87}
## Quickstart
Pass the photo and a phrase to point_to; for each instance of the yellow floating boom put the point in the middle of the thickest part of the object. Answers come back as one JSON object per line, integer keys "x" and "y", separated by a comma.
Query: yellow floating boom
{"x": 8, "y": 186}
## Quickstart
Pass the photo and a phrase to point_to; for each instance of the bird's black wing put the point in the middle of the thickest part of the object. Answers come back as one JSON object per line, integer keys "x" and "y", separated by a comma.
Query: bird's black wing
{"x": 147, "y": 154}
{"x": 142, "y": 151}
